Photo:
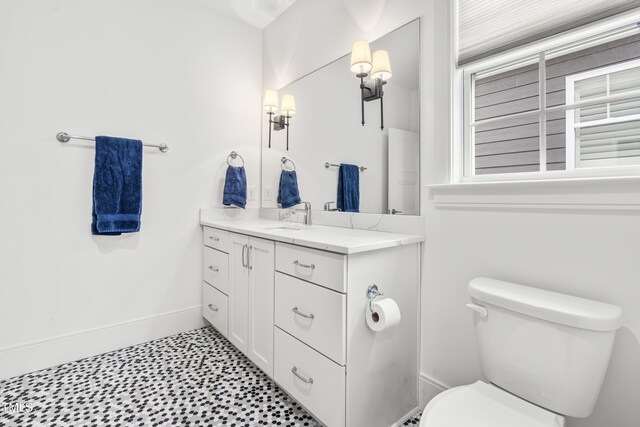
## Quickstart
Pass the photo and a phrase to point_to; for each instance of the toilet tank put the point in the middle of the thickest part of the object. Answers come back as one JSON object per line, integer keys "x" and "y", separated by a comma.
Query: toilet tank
{"x": 548, "y": 348}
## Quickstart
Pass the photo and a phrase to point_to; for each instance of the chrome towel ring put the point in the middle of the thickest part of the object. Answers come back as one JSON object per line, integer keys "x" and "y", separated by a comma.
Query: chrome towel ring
{"x": 283, "y": 163}
{"x": 232, "y": 156}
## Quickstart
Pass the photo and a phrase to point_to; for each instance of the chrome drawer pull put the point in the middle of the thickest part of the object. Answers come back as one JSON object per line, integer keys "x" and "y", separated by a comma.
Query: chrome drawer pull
{"x": 212, "y": 308}
{"x": 214, "y": 269}
{"x": 299, "y": 313}
{"x": 215, "y": 239}
{"x": 299, "y": 264}
{"x": 306, "y": 380}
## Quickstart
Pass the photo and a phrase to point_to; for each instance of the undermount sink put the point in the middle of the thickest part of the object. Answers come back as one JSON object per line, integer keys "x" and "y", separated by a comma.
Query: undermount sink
{"x": 282, "y": 227}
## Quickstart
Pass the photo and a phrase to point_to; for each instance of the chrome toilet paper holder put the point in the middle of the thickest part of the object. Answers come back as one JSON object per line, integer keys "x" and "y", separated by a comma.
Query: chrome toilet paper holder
{"x": 372, "y": 294}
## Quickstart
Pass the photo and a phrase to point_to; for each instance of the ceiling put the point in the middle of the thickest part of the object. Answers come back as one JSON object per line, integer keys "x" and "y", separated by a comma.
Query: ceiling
{"x": 257, "y": 13}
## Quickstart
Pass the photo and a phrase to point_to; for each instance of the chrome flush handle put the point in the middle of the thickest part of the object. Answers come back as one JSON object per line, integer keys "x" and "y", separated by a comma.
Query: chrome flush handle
{"x": 299, "y": 264}
{"x": 482, "y": 311}
{"x": 212, "y": 308}
{"x": 299, "y": 313}
{"x": 214, "y": 269}
{"x": 306, "y": 380}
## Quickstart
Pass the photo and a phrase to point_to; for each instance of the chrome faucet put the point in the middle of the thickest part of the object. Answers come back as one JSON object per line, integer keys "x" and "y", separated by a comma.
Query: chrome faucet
{"x": 307, "y": 214}
{"x": 284, "y": 216}
{"x": 327, "y": 207}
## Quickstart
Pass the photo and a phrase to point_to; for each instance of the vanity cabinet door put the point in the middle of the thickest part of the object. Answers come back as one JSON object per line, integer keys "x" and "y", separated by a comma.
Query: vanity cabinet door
{"x": 312, "y": 379}
{"x": 216, "y": 239}
{"x": 261, "y": 291}
{"x": 238, "y": 291}
{"x": 215, "y": 308}
{"x": 214, "y": 269}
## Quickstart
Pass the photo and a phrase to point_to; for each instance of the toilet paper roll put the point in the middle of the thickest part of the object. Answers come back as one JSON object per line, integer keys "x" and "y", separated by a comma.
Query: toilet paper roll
{"x": 385, "y": 315}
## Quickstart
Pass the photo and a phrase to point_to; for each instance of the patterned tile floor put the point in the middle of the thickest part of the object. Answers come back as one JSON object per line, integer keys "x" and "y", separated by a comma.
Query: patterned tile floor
{"x": 196, "y": 378}
{"x": 414, "y": 421}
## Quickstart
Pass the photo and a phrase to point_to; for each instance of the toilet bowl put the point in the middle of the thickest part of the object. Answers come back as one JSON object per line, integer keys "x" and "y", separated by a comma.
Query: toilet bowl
{"x": 485, "y": 405}
{"x": 545, "y": 354}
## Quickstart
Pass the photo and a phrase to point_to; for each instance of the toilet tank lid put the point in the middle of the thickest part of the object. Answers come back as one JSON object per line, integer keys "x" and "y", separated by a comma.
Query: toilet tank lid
{"x": 546, "y": 305}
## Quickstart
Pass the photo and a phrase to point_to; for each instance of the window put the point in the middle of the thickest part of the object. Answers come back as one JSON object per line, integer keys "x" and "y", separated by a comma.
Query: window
{"x": 606, "y": 134}
{"x": 566, "y": 104}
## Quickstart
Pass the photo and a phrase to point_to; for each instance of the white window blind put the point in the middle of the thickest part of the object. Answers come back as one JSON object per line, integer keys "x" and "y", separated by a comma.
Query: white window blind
{"x": 486, "y": 27}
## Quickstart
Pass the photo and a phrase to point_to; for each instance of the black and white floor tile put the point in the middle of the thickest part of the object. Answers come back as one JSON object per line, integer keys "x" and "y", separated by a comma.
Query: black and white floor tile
{"x": 196, "y": 378}
{"x": 414, "y": 421}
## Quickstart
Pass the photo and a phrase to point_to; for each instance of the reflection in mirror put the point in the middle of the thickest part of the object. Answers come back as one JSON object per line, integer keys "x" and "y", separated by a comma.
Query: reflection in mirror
{"x": 328, "y": 132}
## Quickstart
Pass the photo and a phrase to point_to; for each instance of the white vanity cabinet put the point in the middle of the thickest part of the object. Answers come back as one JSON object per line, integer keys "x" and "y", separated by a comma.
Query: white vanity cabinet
{"x": 215, "y": 278}
{"x": 251, "y": 290}
{"x": 299, "y": 313}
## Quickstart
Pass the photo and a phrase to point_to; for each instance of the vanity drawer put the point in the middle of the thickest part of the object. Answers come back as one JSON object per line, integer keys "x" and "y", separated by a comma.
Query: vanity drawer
{"x": 297, "y": 301}
{"x": 320, "y": 386}
{"x": 324, "y": 268}
{"x": 215, "y": 269}
{"x": 217, "y": 239}
{"x": 215, "y": 308}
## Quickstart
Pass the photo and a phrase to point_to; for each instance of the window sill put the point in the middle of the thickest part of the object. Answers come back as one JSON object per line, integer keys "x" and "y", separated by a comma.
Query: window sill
{"x": 620, "y": 193}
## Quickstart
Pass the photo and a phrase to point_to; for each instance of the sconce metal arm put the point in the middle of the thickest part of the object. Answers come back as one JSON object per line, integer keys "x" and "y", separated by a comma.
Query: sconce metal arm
{"x": 362, "y": 88}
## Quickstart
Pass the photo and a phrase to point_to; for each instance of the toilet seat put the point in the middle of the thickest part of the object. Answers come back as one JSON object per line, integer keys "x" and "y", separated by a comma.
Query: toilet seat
{"x": 485, "y": 405}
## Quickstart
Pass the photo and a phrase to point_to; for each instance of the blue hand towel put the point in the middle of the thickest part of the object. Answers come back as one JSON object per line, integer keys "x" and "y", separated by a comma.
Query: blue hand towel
{"x": 348, "y": 188}
{"x": 235, "y": 187}
{"x": 117, "y": 186}
{"x": 288, "y": 193}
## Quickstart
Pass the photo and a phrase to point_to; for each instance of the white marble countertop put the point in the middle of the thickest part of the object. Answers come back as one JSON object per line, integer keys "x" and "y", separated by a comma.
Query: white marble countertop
{"x": 334, "y": 239}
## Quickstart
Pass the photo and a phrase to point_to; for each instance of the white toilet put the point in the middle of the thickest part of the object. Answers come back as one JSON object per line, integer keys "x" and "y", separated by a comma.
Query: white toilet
{"x": 545, "y": 353}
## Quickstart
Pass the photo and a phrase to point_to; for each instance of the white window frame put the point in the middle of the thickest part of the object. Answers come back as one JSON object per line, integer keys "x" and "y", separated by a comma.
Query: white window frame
{"x": 463, "y": 146}
{"x": 573, "y": 151}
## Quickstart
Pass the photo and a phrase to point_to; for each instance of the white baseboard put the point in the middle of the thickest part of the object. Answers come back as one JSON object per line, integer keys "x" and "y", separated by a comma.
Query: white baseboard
{"x": 36, "y": 355}
{"x": 428, "y": 389}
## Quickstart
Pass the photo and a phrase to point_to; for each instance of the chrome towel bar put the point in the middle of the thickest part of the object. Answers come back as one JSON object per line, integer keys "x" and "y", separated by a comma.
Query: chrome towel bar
{"x": 328, "y": 165}
{"x": 65, "y": 137}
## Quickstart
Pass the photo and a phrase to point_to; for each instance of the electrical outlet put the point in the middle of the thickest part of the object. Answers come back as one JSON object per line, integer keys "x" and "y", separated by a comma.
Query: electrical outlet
{"x": 251, "y": 193}
{"x": 267, "y": 194}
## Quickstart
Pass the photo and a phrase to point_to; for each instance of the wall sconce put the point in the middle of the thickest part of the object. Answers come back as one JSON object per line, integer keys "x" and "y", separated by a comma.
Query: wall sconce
{"x": 270, "y": 104}
{"x": 379, "y": 68}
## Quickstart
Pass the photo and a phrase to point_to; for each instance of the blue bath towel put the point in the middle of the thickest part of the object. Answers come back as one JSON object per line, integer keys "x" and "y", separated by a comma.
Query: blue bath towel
{"x": 288, "y": 193}
{"x": 348, "y": 188}
{"x": 235, "y": 187}
{"x": 117, "y": 186}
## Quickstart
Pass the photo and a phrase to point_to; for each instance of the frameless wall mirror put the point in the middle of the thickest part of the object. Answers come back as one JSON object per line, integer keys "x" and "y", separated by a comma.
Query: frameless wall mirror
{"x": 328, "y": 132}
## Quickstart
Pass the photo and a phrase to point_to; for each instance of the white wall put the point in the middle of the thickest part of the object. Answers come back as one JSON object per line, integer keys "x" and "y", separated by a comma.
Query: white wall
{"x": 585, "y": 250}
{"x": 310, "y": 34}
{"x": 164, "y": 71}
{"x": 588, "y": 252}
